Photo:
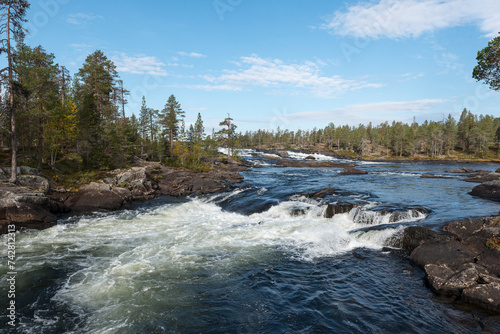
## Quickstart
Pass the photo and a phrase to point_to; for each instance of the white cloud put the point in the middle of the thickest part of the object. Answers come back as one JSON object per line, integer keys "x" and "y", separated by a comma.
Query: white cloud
{"x": 377, "y": 112}
{"x": 81, "y": 18}
{"x": 305, "y": 78}
{"x": 412, "y": 18}
{"x": 139, "y": 64}
{"x": 191, "y": 54}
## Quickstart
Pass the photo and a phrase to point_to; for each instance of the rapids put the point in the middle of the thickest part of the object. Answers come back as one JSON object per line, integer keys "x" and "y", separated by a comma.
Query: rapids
{"x": 260, "y": 259}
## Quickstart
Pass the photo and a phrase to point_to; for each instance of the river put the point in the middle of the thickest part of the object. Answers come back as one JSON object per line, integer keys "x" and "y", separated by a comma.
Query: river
{"x": 259, "y": 259}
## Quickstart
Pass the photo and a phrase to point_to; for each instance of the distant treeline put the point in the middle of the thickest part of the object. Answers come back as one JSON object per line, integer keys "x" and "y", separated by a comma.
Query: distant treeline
{"x": 471, "y": 135}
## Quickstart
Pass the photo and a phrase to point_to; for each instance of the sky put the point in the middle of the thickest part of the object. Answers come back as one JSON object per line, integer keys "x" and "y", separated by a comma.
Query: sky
{"x": 291, "y": 64}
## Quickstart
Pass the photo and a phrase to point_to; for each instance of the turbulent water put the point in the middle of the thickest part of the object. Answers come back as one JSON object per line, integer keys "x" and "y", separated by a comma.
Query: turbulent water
{"x": 260, "y": 259}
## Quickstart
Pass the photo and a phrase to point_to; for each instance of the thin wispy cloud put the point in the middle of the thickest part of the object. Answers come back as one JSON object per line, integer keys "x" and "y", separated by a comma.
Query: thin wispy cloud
{"x": 369, "y": 112}
{"x": 139, "y": 64}
{"x": 191, "y": 54}
{"x": 412, "y": 18}
{"x": 82, "y": 18}
{"x": 276, "y": 75}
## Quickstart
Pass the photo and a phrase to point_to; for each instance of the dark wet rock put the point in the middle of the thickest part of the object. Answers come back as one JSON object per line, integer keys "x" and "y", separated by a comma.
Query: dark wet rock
{"x": 463, "y": 170}
{"x": 429, "y": 176}
{"x": 484, "y": 295}
{"x": 483, "y": 176}
{"x": 282, "y": 154}
{"x": 413, "y": 236}
{"x": 352, "y": 171}
{"x": 322, "y": 193}
{"x": 459, "y": 263}
{"x": 333, "y": 209}
{"x": 295, "y": 212}
{"x": 184, "y": 183}
{"x": 482, "y": 227}
{"x": 489, "y": 190}
{"x": 95, "y": 196}
{"x": 451, "y": 253}
{"x": 490, "y": 259}
{"x": 310, "y": 157}
{"x": 451, "y": 282}
{"x": 358, "y": 256}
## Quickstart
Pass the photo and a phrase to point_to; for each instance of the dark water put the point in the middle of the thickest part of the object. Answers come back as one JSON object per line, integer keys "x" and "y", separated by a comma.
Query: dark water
{"x": 261, "y": 259}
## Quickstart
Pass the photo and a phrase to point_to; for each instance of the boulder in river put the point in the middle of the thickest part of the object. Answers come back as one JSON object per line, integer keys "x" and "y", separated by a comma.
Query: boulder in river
{"x": 352, "y": 171}
{"x": 333, "y": 209}
{"x": 463, "y": 170}
{"x": 490, "y": 190}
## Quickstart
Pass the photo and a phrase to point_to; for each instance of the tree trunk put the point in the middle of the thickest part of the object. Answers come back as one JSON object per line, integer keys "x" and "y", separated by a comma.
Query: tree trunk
{"x": 13, "y": 134}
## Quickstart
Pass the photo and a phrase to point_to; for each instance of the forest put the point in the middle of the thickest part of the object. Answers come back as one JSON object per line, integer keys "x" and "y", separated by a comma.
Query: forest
{"x": 54, "y": 120}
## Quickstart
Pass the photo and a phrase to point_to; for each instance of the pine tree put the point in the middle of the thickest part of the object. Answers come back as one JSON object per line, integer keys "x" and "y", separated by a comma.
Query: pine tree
{"x": 13, "y": 15}
{"x": 198, "y": 130}
{"x": 94, "y": 85}
{"x": 170, "y": 118}
{"x": 228, "y": 133}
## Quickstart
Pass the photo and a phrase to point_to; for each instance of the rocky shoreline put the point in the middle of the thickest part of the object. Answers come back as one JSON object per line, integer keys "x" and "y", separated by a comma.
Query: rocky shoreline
{"x": 33, "y": 205}
{"x": 462, "y": 262}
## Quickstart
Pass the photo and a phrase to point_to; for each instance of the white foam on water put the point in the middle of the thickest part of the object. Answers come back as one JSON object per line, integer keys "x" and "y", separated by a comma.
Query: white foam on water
{"x": 125, "y": 261}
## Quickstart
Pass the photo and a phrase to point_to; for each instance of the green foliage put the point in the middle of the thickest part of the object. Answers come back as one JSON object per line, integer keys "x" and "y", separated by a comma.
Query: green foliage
{"x": 488, "y": 64}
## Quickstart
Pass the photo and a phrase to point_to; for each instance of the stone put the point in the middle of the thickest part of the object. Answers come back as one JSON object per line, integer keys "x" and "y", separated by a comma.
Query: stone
{"x": 95, "y": 196}
{"x": 34, "y": 182}
{"x": 485, "y": 295}
{"x": 451, "y": 282}
{"x": 333, "y": 209}
{"x": 462, "y": 170}
{"x": 490, "y": 259}
{"x": 322, "y": 193}
{"x": 490, "y": 190}
{"x": 352, "y": 171}
{"x": 451, "y": 253}
{"x": 413, "y": 236}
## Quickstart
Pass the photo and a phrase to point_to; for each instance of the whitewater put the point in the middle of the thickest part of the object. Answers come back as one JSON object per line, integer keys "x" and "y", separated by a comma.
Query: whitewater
{"x": 262, "y": 258}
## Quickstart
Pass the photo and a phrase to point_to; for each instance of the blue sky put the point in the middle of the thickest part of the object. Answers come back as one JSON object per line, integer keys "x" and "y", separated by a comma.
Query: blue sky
{"x": 293, "y": 64}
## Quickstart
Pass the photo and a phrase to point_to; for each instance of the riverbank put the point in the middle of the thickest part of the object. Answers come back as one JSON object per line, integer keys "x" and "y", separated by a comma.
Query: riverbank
{"x": 462, "y": 262}
{"x": 36, "y": 202}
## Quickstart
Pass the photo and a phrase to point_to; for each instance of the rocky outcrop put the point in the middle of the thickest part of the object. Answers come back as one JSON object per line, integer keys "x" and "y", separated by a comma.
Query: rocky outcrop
{"x": 333, "y": 209}
{"x": 31, "y": 207}
{"x": 352, "y": 171}
{"x": 97, "y": 196}
{"x": 25, "y": 208}
{"x": 489, "y": 190}
{"x": 184, "y": 183}
{"x": 464, "y": 262}
{"x": 483, "y": 176}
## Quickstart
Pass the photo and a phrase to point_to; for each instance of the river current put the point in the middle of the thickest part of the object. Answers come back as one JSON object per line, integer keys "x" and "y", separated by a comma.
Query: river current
{"x": 259, "y": 259}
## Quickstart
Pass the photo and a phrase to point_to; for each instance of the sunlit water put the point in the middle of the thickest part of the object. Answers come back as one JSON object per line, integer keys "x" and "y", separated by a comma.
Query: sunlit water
{"x": 260, "y": 259}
